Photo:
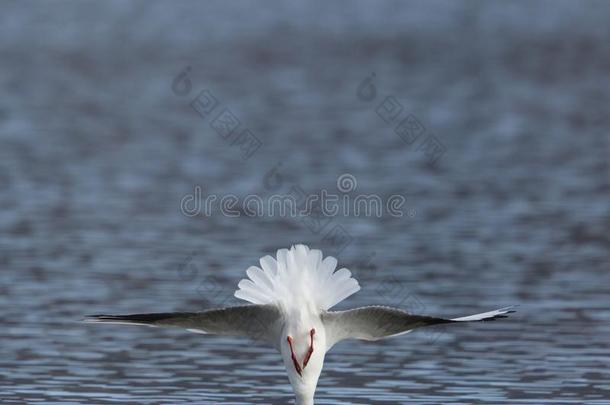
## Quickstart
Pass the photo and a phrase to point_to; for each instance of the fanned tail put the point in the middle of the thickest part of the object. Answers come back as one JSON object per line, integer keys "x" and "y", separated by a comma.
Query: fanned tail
{"x": 296, "y": 275}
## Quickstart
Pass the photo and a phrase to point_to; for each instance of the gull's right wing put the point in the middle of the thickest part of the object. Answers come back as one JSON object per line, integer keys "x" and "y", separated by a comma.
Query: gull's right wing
{"x": 378, "y": 322}
{"x": 259, "y": 322}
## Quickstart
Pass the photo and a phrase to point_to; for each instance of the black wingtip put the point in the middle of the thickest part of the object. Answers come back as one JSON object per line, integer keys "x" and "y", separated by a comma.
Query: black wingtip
{"x": 144, "y": 319}
{"x": 500, "y": 316}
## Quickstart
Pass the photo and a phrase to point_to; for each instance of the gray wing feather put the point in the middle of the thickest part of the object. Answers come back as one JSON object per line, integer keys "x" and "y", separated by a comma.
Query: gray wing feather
{"x": 372, "y": 323}
{"x": 378, "y": 322}
{"x": 255, "y": 321}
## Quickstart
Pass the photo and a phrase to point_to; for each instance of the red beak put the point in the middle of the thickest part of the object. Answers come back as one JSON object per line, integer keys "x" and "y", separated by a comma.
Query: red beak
{"x": 297, "y": 366}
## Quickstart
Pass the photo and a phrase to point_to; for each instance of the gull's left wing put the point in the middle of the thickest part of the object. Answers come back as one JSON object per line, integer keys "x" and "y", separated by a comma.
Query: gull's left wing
{"x": 259, "y": 322}
{"x": 378, "y": 322}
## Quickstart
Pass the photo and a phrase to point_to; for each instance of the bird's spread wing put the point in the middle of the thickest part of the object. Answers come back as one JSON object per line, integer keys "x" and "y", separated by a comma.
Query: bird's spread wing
{"x": 377, "y": 322}
{"x": 255, "y": 321}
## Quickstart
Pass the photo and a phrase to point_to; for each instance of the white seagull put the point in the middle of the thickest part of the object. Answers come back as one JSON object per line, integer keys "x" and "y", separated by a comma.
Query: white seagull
{"x": 291, "y": 296}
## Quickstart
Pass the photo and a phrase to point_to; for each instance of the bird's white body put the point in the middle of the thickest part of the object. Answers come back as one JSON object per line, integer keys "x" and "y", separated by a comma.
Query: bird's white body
{"x": 291, "y": 296}
{"x": 304, "y": 385}
{"x": 302, "y": 285}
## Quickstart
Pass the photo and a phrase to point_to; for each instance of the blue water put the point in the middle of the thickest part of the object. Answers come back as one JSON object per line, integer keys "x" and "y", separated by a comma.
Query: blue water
{"x": 98, "y": 148}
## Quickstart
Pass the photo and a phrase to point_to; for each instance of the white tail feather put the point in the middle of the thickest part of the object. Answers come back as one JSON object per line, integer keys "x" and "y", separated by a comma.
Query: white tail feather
{"x": 297, "y": 274}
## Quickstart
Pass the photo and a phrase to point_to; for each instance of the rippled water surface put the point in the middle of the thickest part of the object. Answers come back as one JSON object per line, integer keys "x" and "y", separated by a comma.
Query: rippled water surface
{"x": 97, "y": 152}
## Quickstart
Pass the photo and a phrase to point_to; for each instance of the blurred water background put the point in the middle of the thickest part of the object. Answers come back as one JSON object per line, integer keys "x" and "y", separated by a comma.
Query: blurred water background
{"x": 99, "y": 146}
